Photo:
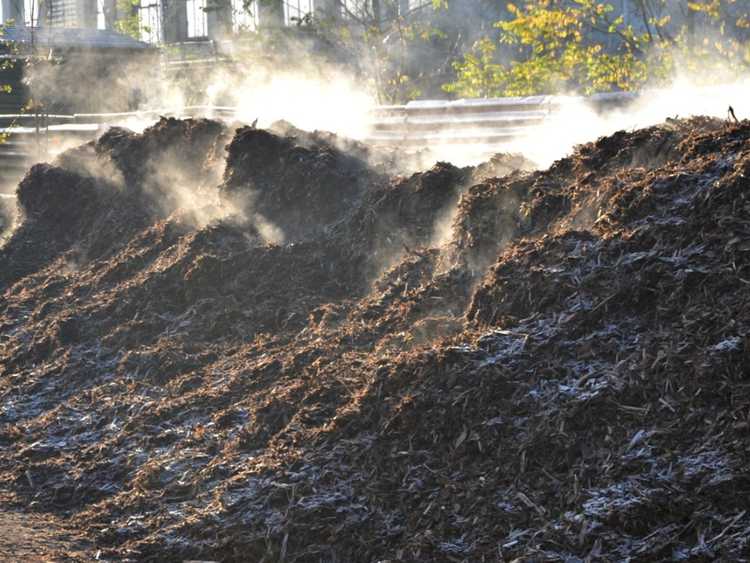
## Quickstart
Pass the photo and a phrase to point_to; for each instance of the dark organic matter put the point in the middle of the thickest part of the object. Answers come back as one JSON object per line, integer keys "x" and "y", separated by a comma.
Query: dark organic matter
{"x": 562, "y": 377}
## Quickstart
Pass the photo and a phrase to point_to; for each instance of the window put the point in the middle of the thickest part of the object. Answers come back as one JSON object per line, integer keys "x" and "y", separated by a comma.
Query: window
{"x": 296, "y": 10}
{"x": 150, "y": 21}
{"x": 197, "y": 19}
{"x": 244, "y": 16}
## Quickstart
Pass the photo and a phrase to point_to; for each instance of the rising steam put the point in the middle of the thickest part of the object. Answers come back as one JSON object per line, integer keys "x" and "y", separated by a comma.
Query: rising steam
{"x": 580, "y": 122}
{"x": 323, "y": 97}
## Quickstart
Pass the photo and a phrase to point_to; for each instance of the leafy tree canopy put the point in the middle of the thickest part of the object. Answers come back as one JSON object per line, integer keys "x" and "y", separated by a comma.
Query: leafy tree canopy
{"x": 550, "y": 46}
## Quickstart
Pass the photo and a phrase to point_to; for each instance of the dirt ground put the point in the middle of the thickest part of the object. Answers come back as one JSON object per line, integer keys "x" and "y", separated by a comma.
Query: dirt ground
{"x": 37, "y": 538}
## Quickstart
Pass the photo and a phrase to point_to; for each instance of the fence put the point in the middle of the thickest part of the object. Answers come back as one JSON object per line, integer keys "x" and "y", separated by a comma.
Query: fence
{"x": 486, "y": 121}
{"x": 491, "y": 122}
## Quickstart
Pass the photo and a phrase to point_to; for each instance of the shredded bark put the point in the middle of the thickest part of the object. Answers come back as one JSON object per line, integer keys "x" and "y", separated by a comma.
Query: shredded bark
{"x": 321, "y": 363}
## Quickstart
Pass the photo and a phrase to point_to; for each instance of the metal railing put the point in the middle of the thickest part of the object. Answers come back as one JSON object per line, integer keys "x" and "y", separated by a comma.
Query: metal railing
{"x": 490, "y": 122}
{"x": 486, "y": 121}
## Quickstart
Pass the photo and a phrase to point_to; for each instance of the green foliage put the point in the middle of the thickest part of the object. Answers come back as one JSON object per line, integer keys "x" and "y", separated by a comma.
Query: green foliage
{"x": 581, "y": 45}
{"x": 6, "y": 88}
{"x": 128, "y": 23}
{"x": 389, "y": 50}
{"x": 480, "y": 75}
{"x": 726, "y": 48}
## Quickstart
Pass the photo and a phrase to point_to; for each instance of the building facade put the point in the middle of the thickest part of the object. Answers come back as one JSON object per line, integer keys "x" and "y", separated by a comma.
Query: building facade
{"x": 171, "y": 21}
{"x": 174, "y": 21}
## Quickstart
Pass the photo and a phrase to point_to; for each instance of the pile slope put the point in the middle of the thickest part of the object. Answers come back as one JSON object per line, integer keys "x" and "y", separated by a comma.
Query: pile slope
{"x": 281, "y": 354}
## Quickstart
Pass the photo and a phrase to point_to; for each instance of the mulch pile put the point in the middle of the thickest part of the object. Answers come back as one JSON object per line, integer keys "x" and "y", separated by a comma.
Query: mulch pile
{"x": 464, "y": 364}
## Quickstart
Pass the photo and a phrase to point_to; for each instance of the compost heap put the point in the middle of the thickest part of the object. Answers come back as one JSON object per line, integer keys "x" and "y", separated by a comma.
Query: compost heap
{"x": 314, "y": 362}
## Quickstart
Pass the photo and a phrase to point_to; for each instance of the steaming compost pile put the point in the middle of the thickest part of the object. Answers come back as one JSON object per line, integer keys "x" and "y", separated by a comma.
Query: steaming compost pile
{"x": 249, "y": 345}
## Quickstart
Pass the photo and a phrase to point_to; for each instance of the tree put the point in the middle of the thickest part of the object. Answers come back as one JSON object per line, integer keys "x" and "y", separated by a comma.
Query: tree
{"x": 584, "y": 46}
{"x": 402, "y": 49}
{"x": 126, "y": 18}
{"x": 396, "y": 45}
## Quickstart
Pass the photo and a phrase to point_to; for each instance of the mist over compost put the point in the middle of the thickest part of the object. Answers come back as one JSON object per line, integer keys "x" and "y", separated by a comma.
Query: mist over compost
{"x": 579, "y": 122}
{"x": 230, "y": 343}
